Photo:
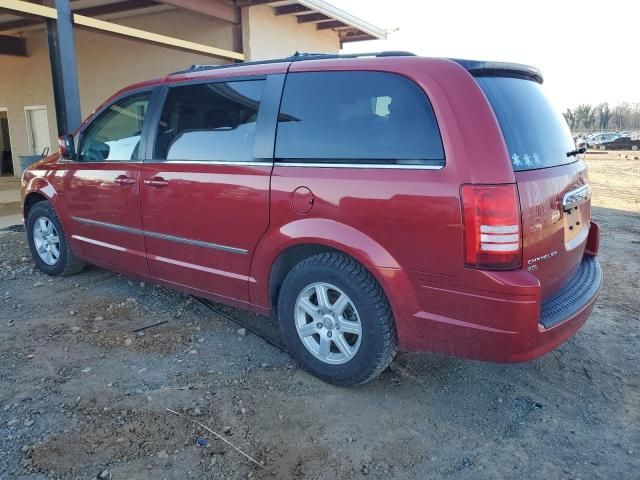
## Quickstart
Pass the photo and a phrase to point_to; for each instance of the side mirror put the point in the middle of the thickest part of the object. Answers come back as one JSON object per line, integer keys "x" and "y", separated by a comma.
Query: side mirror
{"x": 67, "y": 147}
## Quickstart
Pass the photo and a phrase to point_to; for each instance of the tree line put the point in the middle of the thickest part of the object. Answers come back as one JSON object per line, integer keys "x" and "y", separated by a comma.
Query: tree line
{"x": 588, "y": 118}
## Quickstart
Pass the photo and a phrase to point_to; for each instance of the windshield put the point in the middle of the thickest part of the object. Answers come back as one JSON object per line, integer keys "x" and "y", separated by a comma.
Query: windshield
{"x": 536, "y": 134}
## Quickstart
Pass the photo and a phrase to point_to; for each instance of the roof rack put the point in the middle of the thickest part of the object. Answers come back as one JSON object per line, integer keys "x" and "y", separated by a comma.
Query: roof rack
{"x": 297, "y": 57}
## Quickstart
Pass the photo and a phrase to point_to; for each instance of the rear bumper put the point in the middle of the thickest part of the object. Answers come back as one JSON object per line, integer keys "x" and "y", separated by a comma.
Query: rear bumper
{"x": 501, "y": 319}
{"x": 571, "y": 299}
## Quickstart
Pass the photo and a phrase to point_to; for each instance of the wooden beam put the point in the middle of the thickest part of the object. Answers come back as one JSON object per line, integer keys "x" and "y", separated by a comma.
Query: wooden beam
{"x": 312, "y": 17}
{"x": 337, "y": 14}
{"x": 153, "y": 38}
{"x": 331, "y": 24}
{"x": 211, "y": 8}
{"x": 251, "y": 3}
{"x": 357, "y": 38}
{"x": 14, "y": 46}
{"x": 20, "y": 7}
{"x": 17, "y": 24}
{"x": 27, "y": 9}
{"x": 88, "y": 11}
{"x": 290, "y": 9}
{"x": 238, "y": 45}
{"x": 118, "y": 7}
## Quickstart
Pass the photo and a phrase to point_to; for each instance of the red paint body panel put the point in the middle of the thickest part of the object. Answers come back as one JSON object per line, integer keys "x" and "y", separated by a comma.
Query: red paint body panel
{"x": 404, "y": 225}
{"x": 413, "y": 216}
{"x": 546, "y": 225}
{"x": 91, "y": 193}
{"x": 205, "y": 203}
{"x": 498, "y": 321}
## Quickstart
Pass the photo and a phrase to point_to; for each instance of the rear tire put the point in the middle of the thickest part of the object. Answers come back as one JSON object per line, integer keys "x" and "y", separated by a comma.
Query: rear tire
{"x": 336, "y": 320}
{"x": 634, "y": 147}
{"x": 48, "y": 243}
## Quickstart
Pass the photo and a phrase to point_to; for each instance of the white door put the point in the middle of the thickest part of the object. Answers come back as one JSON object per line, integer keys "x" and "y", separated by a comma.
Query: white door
{"x": 37, "y": 129}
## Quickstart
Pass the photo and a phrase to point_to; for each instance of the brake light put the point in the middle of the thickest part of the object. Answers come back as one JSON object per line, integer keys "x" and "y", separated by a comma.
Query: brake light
{"x": 492, "y": 229}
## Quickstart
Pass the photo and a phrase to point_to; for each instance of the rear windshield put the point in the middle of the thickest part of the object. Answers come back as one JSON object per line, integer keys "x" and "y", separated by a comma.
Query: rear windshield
{"x": 536, "y": 134}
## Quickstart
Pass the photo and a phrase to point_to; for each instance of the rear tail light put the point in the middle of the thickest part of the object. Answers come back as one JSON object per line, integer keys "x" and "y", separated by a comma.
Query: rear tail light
{"x": 492, "y": 232}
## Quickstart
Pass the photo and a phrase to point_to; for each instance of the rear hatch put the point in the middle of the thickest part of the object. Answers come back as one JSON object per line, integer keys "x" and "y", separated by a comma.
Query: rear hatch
{"x": 551, "y": 179}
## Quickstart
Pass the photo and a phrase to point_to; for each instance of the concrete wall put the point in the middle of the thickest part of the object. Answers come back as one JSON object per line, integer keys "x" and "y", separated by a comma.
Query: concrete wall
{"x": 105, "y": 64}
{"x": 26, "y": 82}
{"x": 266, "y": 36}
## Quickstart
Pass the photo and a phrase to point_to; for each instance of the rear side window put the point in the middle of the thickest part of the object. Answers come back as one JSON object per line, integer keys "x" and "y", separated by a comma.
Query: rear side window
{"x": 536, "y": 134}
{"x": 357, "y": 117}
{"x": 209, "y": 122}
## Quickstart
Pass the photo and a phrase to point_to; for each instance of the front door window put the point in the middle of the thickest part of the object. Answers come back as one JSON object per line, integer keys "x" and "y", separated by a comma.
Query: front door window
{"x": 115, "y": 135}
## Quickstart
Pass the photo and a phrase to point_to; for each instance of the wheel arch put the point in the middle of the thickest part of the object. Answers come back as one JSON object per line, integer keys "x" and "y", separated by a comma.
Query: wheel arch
{"x": 30, "y": 200}
{"x": 280, "y": 250}
{"x": 37, "y": 190}
{"x": 289, "y": 258}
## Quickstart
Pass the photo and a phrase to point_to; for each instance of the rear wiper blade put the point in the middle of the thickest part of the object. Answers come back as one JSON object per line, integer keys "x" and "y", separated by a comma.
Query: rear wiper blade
{"x": 577, "y": 151}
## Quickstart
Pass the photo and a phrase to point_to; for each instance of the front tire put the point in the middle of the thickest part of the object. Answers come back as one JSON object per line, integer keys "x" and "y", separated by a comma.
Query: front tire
{"x": 48, "y": 243}
{"x": 336, "y": 320}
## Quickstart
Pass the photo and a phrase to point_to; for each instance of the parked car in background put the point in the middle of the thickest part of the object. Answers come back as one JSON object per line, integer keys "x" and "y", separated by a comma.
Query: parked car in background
{"x": 621, "y": 143}
{"x": 368, "y": 204}
{"x": 600, "y": 138}
{"x": 580, "y": 140}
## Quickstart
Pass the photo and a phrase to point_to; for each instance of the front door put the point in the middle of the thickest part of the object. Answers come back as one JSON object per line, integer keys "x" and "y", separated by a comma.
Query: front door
{"x": 37, "y": 130}
{"x": 102, "y": 188}
{"x": 205, "y": 191}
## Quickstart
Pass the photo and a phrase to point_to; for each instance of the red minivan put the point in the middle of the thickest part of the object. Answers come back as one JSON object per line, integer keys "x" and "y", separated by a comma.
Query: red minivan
{"x": 370, "y": 203}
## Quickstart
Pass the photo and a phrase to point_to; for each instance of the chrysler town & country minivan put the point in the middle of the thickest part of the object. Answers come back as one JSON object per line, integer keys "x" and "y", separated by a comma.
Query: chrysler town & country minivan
{"x": 370, "y": 203}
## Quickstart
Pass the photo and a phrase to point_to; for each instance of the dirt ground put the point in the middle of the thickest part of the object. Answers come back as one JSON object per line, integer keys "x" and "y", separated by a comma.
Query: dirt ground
{"x": 9, "y": 195}
{"x": 10, "y": 208}
{"x": 82, "y": 395}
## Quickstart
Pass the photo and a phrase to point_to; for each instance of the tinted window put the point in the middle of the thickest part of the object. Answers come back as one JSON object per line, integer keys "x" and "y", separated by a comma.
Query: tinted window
{"x": 536, "y": 134}
{"x": 115, "y": 134}
{"x": 364, "y": 116}
{"x": 214, "y": 121}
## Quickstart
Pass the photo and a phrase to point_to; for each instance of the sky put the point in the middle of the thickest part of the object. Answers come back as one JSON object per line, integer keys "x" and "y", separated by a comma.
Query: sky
{"x": 588, "y": 50}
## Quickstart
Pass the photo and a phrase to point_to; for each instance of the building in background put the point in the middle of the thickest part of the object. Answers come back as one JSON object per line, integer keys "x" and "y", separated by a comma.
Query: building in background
{"x": 121, "y": 42}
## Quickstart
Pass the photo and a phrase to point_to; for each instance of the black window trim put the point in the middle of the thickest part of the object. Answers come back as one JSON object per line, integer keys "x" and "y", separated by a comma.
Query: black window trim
{"x": 372, "y": 163}
{"x": 337, "y": 163}
{"x": 264, "y": 138}
{"x": 79, "y": 137}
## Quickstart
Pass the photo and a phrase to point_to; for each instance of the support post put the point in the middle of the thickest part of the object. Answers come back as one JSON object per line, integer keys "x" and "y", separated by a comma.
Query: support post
{"x": 64, "y": 72}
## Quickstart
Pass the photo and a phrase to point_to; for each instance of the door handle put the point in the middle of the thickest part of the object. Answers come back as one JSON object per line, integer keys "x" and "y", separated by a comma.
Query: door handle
{"x": 157, "y": 182}
{"x": 124, "y": 180}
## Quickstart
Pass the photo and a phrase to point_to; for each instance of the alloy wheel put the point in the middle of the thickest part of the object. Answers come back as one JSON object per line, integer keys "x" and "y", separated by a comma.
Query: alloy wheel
{"x": 328, "y": 323}
{"x": 46, "y": 240}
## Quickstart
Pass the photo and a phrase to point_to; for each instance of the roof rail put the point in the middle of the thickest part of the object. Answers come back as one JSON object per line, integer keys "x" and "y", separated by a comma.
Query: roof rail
{"x": 297, "y": 57}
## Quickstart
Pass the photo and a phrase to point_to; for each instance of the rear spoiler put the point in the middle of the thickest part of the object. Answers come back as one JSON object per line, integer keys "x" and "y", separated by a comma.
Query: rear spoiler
{"x": 479, "y": 68}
